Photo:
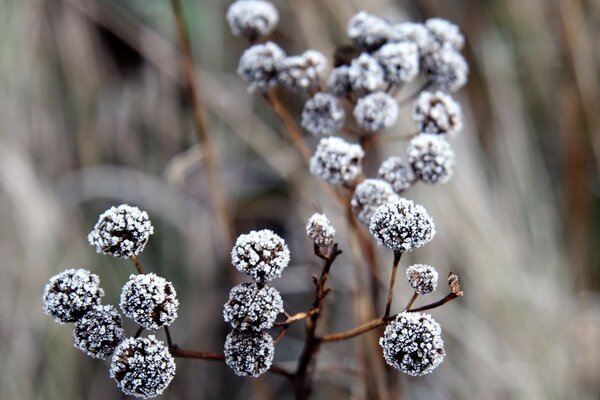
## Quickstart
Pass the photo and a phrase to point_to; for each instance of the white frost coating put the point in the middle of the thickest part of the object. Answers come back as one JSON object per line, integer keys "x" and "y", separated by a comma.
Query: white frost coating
{"x": 413, "y": 344}
{"x": 422, "y": 278}
{"x": 323, "y": 114}
{"x": 252, "y": 18}
{"x": 400, "y": 61}
{"x": 365, "y": 75}
{"x": 413, "y": 32}
{"x": 249, "y": 353}
{"x": 320, "y": 230}
{"x": 149, "y": 300}
{"x": 437, "y": 113}
{"x": 259, "y": 66}
{"x": 447, "y": 68}
{"x": 368, "y": 31}
{"x": 70, "y": 294}
{"x": 261, "y": 254}
{"x": 121, "y": 231}
{"x": 368, "y": 195}
{"x": 303, "y": 72}
{"x": 338, "y": 82}
{"x": 376, "y": 112}
{"x": 444, "y": 33}
{"x": 432, "y": 158}
{"x": 99, "y": 331}
{"x": 142, "y": 367}
{"x": 337, "y": 162}
{"x": 252, "y": 306}
{"x": 402, "y": 225}
{"x": 397, "y": 173}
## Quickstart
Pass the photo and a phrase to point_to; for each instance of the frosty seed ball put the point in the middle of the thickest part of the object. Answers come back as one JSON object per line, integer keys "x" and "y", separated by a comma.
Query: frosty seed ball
{"x": 402, "y": 225}
{"x": 368, "y": 195}
{"x": 338, "y": 81}
{"x": 142, "y": 367}
{"x": 400, "y": 61}
{"x": 323, "y": 114}
{"x": 446, "y": 67}
{"x": 432, "y": 158}
{"x": 252, "y": 306}
{"x": 444, "y": 33}
{"x": 366, "y": 75}
{"x": 252, "y": 18}
{"x": 413, "y": 344}
{"x": 320, "y": 230}
{"x": 249, "y": 353}
{"x": 422, "y": 278}
{"x": 70, "y": 294}
{"x": 303, "y": 72}
{"x": 259, "y": 66}
{"x": 261, "y": 254}
{"x": 437, "y": 113}
{"x": 376, "y": 112}
{"x": 149, "y": 300}
{"x": 397, "y": 173}
{"x": 412, "y": 32}
{"x": 337, "y": 162}
{"x": 368, "y": 31}
{"x": 99, "y": 331}
{"x": 121, "y": 231}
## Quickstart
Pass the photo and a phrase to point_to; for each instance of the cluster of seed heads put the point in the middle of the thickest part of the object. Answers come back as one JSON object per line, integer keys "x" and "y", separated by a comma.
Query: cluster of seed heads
{"x": 320, "y": 230}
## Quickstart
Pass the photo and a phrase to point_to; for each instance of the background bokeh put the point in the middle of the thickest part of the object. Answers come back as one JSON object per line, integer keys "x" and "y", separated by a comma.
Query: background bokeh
{"x": 93, "y": 113}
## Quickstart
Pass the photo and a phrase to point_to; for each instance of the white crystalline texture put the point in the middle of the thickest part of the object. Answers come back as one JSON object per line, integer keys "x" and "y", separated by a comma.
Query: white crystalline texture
{"x": 412, "y": 32}
{"x": 70, "y": 294}
{"x": 446, "y": 67}
{"x": 368, "y": 31}
{"x": 444, "y": 33}
{"x": 252, "y": 306}
{"x": 249, "y": 353}
{"x": 261, "y": 254}
{"x": 402, "y": 225}
{"x": 338, "y": 82}
{"x": 368, "y": 195}
{"x": 337, "y": 162}
{"x": 149, "y": 300}
{"x": 413, "y": 344}
{"x": 142, "y": 367}
{"x": 432, "y": 158}
{"x": 99, "y": 331}
{"x": 320, "y": 230}
{"x": 437, "y": 113}
{"x": 303, "y": 72}
{"x": 422, "y": 278}
{"x": 400, "y": 61}
{"x": 259, "y": 66}
{"x": 397, "y": 173}
{"x": 366, "y": 75}
{"x": 323, "y": 114}
{"x": 121, "y": 231}
{"x": 376, "y": 112}
{"x": 252, "y": 18}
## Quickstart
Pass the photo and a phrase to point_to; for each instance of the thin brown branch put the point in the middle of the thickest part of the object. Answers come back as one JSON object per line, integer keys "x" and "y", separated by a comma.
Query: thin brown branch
{"x": 449, "y": 297}
{"x": 390, "y": 299}
{"x": 136, "y": 263}
{"x": 359, "y": 330}
{"x": 294, "y": 318}
{"x": 411, "y": 301}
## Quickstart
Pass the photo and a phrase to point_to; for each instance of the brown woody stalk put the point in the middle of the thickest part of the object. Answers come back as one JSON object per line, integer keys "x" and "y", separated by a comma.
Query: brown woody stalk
{"x": 390, "y": 299}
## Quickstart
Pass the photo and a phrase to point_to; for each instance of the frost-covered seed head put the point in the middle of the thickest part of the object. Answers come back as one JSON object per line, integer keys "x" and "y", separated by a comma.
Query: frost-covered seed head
{"x": 252, "y": 306}
{"x": 376, "y": 112}
{"x": 99, "y": 331}
{"x": 402, "y": 225}
{"x": 320, "y": 230}
{"x": 366, "y": 75}
{"x": 261, "y": 254}
{"x": 249, "y": 353}
{"x": 413, "y": 344}
{"x": 412, "y": 32}
{"x": 149, "y": 300}
{"x": 444, "y": 33}
{"x": 259, "y": 66}
{"x": 323, "y": 114}
{"x": 422, "y": 278}
{"x": 337, "y": 162}
{"x": 252, "y": 18}
{"x": 397, "y": 173}
{"x": 338, "y": 82}
{"x": 400, "y": 61}
{"x": 303, "y": 72}
{"x": 368, "y": 195}
{"x": 368, "y": 31}
{"x": 437, "y": 113}
{"x": 142, "y": 367}
{"x": 432, "y": 158}
{"x": 446, "y": 67}
{"x": 121, "y": 231}
{"x": 70, "y": 294}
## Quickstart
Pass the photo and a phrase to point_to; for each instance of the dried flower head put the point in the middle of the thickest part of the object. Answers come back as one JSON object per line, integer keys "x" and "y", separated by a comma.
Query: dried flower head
{"x": 412, "y": 32}
{"x": 249, "y": 353}
{"x": 121, "y": 231}
{"x": 376, "y": 111}
{"x": 431, "y": 157}
{"x": 252, "y": 306}
{"x": 99, "y": 331}
{"x": 397, "y": 173}
{"x": 454, "y": 284}
{"x": 368, "y": 195}
{"x": 337, "y": 161}
{"x": 446, "y": 67}
{"x": 338, "y": 82}
{"x": 413, "y": 344}
{"x": 261, "y": 254}
{"x": 70, "y": 294}
{"x": 323, "y": 114}
{"x": 444, "y": 33}
{"x": 366, "y": 75}
{"x": 400, "y": 61}
{"x": 252, "y": 18}
{"x": 320, "y": 230}
{"x": 402, "y": 225}
{"x": 422, "y": 278}
{"x": 303, "y": 72}
{"x": 142, "y": 367}
{"x": 149, "y": 300}
{"x": 368, "y": 31}
{"x": 437, "y": 113}
{"x": 259, "y": 66}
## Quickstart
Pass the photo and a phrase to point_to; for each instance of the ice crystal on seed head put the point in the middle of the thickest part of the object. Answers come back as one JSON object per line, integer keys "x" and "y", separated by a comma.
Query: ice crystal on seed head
{"x": 121, "y": 231}
{"x": 422, "y": 278}
{"x": 252, "y": 18}
{"x": 437, "y": 113}
{"x": 412, "y": 32}
{"x": 368, "y": 195}
{"x": 320, "y": 230}
{"x": 338, "y": 82}
{"x": 142, "y": 367}
{"x": 431, "y": 157}
{"x": 249, "y": 353}
{"x": 70, "y": 294}
{"x": 337, "y": 162}
{"x": 446, "y": 67}
{"x": 376, "y": 112}
{"x": 368, "y": 31}
{"x": 261, "y": 254}
{"x": 400, "y": 61}
{"x": 366, "y": 75}
{"x": 259, "y": 66}
{"x": 303, "y": 72}
{"x": 413, "y": 344}
{"x": 323, "y": 114}
{"x": 397, "y": 173}
{"x": 99, "y": 331}
{"x": 444, "y": 33}
{"x": 149, "y": 300}
{"x": 252, "y": 306}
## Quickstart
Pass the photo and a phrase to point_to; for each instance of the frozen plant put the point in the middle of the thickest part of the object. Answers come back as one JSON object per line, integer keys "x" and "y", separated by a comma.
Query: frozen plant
{"x": 249, "y": 353}
{"x": 368, "y": 195}
{"x": 323, "y": 114}
{"x": 261, "y": 254}
{"x": 432, "y": 158}
{"x": 368, "y": 31}
{"x": 423, "y": 278}
{"x": 259, "y": 66}
{"x": 337, "y": 162}
{"x": 320, "y": 230}
{"x": 400, "y": 61}
{"x": 437, "y": 113}
{"x": 376, "y": 112}
{"x": 99, "y": 331}
{"x": 397, "y": 173}
{"x": 366, "y": 75}
{"x": 303, "y": 72}
{"x": 252, "y": 306}
{"x": 252, "y": 18}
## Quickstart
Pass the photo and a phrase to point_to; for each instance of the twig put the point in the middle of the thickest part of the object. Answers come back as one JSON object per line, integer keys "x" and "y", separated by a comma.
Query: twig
{"x": 294, "y": 318}
{"x": 449, "y": 297}
{"x": 359, "y": 330}
{"x": 390, "y": 299}
{"x": 136, "y": 263}
{"x": 139, "y": 332}
{"x": 168, "y": 335}
{"x": 411, "y": 301}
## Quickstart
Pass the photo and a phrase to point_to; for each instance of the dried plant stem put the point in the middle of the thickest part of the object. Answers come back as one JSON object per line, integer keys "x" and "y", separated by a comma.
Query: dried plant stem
{"x": 449, "y": 297}
{"x": 136, "y": 263}
{"x": 411, "y": 301}
{"x": 390, "y": 299}
{"x": 359, "y": 330}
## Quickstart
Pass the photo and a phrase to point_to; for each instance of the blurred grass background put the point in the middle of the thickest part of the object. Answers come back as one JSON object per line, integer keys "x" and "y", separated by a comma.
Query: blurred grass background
{"x": 92, "y": 113}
